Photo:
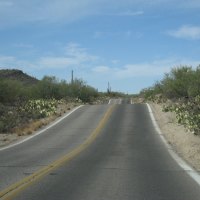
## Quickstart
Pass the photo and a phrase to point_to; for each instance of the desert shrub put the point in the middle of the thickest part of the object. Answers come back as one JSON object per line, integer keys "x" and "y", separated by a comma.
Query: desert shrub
{"x": 8, "y": 120}
{"x": 10, "y": 91}
{"x": 182, "y": 88}
{"x": 194, "y": 85}
{"x": 187, "y": 113}
{"x": 47, "y": 88}
{"x": 88, "y": 94}
{"x": 181, "y": 82}
{"x": 39, "y": 108}
{"x": 176, "y": 84}
{"x": 20, "y": 103}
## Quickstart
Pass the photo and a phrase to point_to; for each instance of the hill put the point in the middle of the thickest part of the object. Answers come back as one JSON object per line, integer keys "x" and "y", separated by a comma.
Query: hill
{"x": 18, "y": 75}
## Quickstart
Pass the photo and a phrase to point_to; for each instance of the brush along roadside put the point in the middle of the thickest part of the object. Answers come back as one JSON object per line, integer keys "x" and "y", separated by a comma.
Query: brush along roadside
{"x": 33, "y": 123}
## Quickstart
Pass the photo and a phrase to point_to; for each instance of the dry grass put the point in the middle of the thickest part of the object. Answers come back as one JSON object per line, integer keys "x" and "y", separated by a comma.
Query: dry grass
{"x": 33, "y": 126}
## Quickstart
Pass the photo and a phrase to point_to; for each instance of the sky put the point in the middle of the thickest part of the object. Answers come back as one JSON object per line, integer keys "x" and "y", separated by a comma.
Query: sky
{"x": 129, "y": 43}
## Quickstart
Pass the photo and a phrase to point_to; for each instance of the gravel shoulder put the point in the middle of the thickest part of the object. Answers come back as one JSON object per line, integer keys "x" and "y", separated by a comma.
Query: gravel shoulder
{"x": 186, "y": 144}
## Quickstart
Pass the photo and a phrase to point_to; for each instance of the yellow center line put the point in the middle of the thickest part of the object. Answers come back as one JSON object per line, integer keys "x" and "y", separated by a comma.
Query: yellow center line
{"x": 10, "y": 192}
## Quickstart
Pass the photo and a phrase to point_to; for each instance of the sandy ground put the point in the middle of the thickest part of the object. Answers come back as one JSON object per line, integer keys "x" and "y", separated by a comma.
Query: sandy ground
{"x": 6, "y": 139}
{"x": 186, "y": 144}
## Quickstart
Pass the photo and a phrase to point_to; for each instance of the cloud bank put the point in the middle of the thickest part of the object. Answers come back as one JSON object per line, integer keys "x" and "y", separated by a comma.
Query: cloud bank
{"x": 186, "y": 32}
{"x": 49, "y": 11}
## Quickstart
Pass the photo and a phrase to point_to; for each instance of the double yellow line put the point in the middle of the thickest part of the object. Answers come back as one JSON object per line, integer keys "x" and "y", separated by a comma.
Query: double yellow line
{"x": 10, "y": 192}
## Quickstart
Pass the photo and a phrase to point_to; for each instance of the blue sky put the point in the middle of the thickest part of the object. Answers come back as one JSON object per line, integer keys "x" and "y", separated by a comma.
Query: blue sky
{"x": 129, "y": 43}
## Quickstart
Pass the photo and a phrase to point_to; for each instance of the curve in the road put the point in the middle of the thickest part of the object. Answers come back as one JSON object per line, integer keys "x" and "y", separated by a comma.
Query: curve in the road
{"x": 39, "y": 132}
{"x": 14, "y": 189}
{"x": 126, "y": 161}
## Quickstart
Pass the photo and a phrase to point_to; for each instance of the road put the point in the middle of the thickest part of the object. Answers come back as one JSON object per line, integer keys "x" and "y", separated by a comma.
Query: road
{"x": 123, "y": 158}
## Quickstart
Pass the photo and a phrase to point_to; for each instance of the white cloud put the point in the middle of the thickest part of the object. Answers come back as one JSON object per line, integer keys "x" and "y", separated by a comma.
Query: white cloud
{"x": 11, "y": 62}
{"x": 94, "y": 72}
{"x": 64, "y": 11}
{"x": 101, "y": 69}
{"x": 130, "y": 13}
{"x": 69, "y": 10}
{"x": 43, "y": 11}
{"x": 115, "y": 61}
{"x": 78, "y": 58}
{"x": 156, "y": 67}
{"x": 186, "y": 32}
{"x": 6, "y": 59}
{"x": 56, "y": 62}
{"x": 134, "y": 76}
{"x": 75, "y": 51}
{"x": 105, "y": 34}
{"x": 141, "y": 70}
{"x": 119, "y": 34}
{"x": 73, "y": 56}
{"x": 126, "y": 13}
{"x": 148, "y": 69}
{"x": 99, "y": 34}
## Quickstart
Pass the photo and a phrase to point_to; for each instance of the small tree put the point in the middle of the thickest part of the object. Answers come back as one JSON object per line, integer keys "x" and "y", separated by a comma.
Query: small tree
{"x": 47, "y": 88}
{"x": 176, "y": 84}
{"x": 10, "y": 91}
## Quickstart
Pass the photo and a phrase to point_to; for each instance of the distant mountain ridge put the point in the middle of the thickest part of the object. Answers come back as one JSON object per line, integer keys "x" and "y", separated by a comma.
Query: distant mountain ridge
{"x": 15, "y": 74}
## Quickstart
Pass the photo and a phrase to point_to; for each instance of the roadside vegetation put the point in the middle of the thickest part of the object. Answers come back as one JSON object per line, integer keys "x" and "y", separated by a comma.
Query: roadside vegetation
{"x": 25, "y": 100}
{"x": 179, "y": 92}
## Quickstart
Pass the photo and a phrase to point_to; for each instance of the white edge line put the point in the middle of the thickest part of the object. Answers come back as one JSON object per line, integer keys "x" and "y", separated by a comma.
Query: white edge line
{"x": 131, "y": 101}
{"x": 39, "y": 132}
{"x": 186, "y": 167}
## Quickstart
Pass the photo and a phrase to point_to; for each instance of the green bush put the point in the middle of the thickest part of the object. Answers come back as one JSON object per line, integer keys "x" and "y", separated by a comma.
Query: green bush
{"x": 187, "y": 113}
{"x": 182, "y": 87}
{"x": 21, "y": 102}
{"x": 10, "y": 91}
{"x": 181, "y": 82}
{"x": 176, "y": 84}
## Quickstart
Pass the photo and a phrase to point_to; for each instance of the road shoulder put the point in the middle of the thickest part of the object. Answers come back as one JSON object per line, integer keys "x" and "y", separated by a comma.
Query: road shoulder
{"x": 186, "y": 144}
{"x": 13, "y": 138}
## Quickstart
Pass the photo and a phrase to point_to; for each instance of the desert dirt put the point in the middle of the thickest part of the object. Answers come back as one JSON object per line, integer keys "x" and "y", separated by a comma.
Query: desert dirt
{"x": 184, "y": 143}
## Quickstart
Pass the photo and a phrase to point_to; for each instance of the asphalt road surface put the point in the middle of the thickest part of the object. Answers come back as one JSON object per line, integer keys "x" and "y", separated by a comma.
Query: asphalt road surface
{"x": 123, "y": 159}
